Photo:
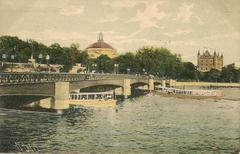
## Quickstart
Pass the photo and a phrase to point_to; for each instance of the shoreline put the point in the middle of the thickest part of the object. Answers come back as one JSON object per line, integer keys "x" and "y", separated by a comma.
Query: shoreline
{"x": 207, "y": 84}
{"x": 183, "y": 96}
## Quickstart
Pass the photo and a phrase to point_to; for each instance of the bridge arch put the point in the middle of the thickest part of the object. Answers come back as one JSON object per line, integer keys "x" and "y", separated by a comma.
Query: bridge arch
{"x": 139, "y": 84}
{"x": 156, "y": 83}
{"x": 33, "y": 89}
{"x": 18, "y": 100}
{"x": 89, "y": 83}
{"x": 142, "y": 81}
{"x": 100, "y": 88}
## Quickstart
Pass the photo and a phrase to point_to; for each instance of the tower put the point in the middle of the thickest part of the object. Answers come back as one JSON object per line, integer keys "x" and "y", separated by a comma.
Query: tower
{"x": 207, "y": 61}
{"x": 198, "y": 58}
{"x": 215, "y": 57}
{"x": 101, "y": 48}
{"x": 100, "y": 37}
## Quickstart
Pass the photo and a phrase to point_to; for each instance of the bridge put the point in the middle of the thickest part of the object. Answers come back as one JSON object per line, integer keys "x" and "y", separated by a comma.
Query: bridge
{"x": 59, "y": 85}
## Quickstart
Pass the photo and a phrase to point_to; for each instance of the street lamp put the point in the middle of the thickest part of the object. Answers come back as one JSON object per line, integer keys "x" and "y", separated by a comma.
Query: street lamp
{"x": 12, "y": 59}
{"x": 128, "y": 70}
{"x": 4, "y": 56}
{"x": 116, "y": 68}
{"x": 40, "y": 56}
{"x": 94, "y": 67}
{"x": 47, "y": 58}
{"x": 143, "y": 70}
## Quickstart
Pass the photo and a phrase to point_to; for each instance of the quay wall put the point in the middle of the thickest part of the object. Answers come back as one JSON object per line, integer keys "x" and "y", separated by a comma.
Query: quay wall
{"x": 207, "y": 84}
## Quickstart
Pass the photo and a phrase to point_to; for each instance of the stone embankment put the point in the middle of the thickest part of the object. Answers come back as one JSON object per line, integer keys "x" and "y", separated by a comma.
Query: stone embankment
{"x": 208, "y": 84}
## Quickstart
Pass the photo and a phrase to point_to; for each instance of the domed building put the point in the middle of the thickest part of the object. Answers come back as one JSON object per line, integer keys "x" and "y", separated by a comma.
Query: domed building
{"x": 101, "y": 48}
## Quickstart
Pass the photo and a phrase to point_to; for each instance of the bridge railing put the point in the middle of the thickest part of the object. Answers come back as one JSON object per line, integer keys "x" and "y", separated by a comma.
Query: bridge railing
{"x": 17, "y": 78}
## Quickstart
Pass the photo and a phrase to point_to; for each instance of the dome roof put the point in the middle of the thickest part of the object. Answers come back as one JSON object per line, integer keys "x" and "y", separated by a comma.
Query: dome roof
{"x": 100, "y": 43}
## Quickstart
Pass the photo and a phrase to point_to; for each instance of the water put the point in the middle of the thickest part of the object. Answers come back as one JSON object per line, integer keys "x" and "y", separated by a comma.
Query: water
{"x": 149, "y": 124}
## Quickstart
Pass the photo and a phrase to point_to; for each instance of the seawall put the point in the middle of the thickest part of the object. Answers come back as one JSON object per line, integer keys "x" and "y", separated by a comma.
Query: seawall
{"x": 207, "y": 84}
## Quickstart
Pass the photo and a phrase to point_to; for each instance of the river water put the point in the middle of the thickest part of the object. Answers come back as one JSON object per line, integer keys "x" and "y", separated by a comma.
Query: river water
{"x": 148, "y": 124}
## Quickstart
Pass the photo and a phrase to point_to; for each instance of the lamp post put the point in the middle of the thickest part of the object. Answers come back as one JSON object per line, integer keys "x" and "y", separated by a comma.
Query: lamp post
{"x": 12, "y": 59}
{"x": 4, "y": 56}
{"x": 128, "y": 70}
{"x": 40, "y": 56}
{"x": 116, "y": 68}
{"x": 94, "y": 67}
{"x": 143, "y": 71}
{"x": 47, "y": 58}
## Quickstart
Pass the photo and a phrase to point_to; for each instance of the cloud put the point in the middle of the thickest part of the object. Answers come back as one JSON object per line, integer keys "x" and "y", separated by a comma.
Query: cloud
{"x": 234, "y": 35}
{"x": 178, "y": 32}
{"x": 109, "y": 18}
{"x": 72, "y": 10}
{"x": 199, "y": 20}
{"x": 122, "y": 3}
{"x": 184, "y": 43}
{"x": 185, "y": 12}
{"x": 50, "y": 36}
{"x": 150, "y": 15}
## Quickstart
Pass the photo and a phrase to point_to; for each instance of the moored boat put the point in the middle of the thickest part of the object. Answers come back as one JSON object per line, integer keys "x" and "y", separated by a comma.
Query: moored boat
{"x": 93, "y": 99}
{"x": 194, "y": 93}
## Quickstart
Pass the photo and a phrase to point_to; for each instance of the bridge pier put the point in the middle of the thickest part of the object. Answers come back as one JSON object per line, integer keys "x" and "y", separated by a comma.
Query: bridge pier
{"x": 118, "y": 91}
{"x": 172, "y": 83}
{"x": 126, "y": 88}
{"x": 151, "y": 85}
{"x": 61, "y": 100}
{"x": 163, "y": 83}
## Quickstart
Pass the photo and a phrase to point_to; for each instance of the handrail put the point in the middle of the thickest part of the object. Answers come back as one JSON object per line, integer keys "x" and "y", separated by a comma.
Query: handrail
{"x": 39, "y": 77}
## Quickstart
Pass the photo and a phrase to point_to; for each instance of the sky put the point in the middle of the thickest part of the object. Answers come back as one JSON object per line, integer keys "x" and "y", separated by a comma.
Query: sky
{"x": 184, "y": 26}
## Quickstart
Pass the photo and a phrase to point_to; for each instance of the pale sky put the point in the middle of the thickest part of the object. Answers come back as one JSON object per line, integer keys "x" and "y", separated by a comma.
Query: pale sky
{"x": 184, "y": 26}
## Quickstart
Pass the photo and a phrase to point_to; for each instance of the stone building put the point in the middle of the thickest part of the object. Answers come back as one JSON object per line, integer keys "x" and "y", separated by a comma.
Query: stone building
{"x": 101, "y": 48}
{"x": 207, "y": 61}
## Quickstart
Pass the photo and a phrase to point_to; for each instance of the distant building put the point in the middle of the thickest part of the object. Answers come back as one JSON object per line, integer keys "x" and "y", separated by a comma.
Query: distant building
{"x": 101, "y": 48}
{"x": 207, "y": 61}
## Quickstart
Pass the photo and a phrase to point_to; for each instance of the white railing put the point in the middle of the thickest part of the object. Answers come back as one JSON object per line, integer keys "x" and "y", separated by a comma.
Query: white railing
{"x": 92, "y": 96}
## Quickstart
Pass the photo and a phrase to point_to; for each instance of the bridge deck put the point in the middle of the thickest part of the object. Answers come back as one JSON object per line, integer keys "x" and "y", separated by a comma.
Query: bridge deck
{"x": 18, "y": 78}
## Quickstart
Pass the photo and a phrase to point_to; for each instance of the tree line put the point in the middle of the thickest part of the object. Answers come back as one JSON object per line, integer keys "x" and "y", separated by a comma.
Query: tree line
{"x": 146, "y": 60}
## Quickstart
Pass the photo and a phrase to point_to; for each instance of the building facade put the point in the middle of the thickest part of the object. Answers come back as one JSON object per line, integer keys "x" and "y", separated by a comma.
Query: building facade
{"x": 208, "y": 61}
{"x": 101, "y": 48}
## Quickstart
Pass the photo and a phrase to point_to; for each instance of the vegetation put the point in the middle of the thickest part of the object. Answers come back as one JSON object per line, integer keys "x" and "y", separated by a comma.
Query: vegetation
{"x": 147, "y": 60}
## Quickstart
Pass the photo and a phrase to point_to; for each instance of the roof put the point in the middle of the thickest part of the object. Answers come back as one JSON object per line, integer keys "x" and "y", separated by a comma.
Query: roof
{"x": 100, "y": 44}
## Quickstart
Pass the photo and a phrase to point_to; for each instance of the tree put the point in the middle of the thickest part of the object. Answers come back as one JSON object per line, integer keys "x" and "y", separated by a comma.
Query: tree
{"x": 83, "y": 58}
{"x": 155, "y": 61}
{"x": 104, "y": 64}
{"x": 189, "y": 71}
{"x": 159, "y": 61}
{"x": 214, "y": 75}
{"x": 57, "y": 54}
{"x": 229, "y": 73}
{"x": 127, "y": 61}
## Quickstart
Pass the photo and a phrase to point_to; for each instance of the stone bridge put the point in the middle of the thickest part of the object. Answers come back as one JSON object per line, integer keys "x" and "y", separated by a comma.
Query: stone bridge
{"x": 58, "y": 85}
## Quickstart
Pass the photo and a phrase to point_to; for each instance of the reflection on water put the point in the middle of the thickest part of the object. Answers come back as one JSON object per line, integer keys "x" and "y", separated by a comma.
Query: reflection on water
{"x": 149, "y": 124}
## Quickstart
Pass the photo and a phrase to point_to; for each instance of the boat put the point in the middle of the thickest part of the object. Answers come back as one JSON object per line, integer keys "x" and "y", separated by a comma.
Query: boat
{"x": 193, "y": 93}
{"x": 96, "y": 99}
